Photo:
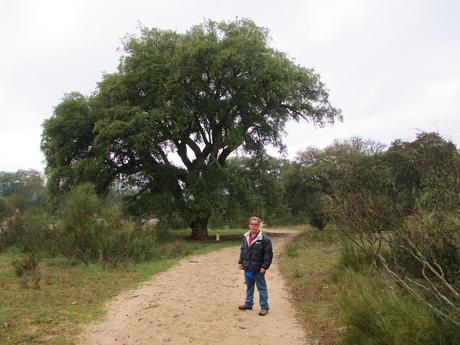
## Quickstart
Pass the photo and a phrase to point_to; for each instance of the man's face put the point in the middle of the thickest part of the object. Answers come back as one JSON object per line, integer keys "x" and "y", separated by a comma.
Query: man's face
{"x": 254, "y": 226}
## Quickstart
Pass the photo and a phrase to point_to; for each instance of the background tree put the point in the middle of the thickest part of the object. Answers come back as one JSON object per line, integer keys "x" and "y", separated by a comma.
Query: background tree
{"x": 21, "y": 190}
{"x": 198, "y": 96}
{"x": 253, "y": 186}
{"x": 314, "y": 172}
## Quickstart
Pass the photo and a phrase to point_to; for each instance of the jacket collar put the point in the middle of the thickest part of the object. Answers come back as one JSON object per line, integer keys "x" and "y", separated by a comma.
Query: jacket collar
{"x": 259, "y": 235}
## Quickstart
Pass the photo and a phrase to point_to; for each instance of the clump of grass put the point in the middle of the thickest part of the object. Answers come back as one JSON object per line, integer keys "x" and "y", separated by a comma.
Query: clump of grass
{"x": 291, "y": 250}
{"x": 327, "y": 234}
{"x": 26, "y": 267}
{"x": 374, "y": 314}
{"x": 352, "y": 257}
{"x": 297, "y": 274}
{"x": 26, "y": 264}
{"x": 174, "y": 249}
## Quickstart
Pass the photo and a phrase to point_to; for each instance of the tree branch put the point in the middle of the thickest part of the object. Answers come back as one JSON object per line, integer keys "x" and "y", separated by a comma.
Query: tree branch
{"x": 182, "y": 152}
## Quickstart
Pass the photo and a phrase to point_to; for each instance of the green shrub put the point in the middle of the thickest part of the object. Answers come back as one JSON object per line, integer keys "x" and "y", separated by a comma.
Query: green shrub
{"x": 163, "y": 234}
{"x": 352, "y": 257}
{"x": 26, "y": 264}
{"x": 292, "y": 250}
{"x": 14, "y": 250}
{"x": 92, "y": 232}
{"x": 143, "y": 244}
{"x": 437, "y": 240}
{"x": 327, "y": 234}
{"x": 28, "y": 267}
{"x": 28, "y": 232}
{"x": 174, "y": 249}
{"x": 376, "y": 315}
{"x": 12, "y": 232}
{"x": 38, "y": 236}
{"x": 297, "y": 273}
{"x": 77, "y": 230}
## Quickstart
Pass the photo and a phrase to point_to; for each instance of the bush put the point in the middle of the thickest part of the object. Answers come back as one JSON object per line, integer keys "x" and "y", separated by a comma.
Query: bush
{"x": 77, "y": 229}
{"x": 292, "y": 250}
{"x": 437, "y": 240}
{"x": 163, "y": 234}
{"x": 28, "y": 266}
{"x": 28, "y": 232}
{"x": 408, "y": 198}
{"x": 327, "y": 234}
{"x": 38, "y": 236}
{"x": 174, "y": 249}
{"x": 352, "y": 257}
{"x": 90, "y": 231}
{"x": 375, "y": 315}
{"x": 12, "y": 232}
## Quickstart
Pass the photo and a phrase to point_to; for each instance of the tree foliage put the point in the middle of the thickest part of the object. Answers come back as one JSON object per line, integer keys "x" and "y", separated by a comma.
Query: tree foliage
{"x": 252, "y": 186}
{"x": 21, "y": 190}
{"x": 199, "y": 96}
{"x": 314, "y": 173}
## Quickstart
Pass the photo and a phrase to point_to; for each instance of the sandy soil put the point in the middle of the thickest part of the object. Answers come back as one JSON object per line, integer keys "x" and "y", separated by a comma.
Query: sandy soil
{"x": 196, "y": 302}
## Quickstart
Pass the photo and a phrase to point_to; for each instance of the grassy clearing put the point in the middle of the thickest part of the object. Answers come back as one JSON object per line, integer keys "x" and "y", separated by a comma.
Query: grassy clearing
{"x": 309, "y": 266}
{"x": 71, "y": 294}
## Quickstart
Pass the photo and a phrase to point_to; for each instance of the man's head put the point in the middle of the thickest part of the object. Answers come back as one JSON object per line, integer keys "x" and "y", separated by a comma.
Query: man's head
{"x": 254, "y": 224}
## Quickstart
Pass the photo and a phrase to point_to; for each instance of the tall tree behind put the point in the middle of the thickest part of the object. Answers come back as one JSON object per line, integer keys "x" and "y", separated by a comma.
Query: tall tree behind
{"x": 21, "y": 190}
{"x": 198, "y": 96}
{"x": 253, "y": 187}
{"x": 314, "y": 172}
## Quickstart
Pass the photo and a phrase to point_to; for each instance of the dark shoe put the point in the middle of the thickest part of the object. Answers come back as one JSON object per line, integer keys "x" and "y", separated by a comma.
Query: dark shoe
{"x": 244, "y": 307}
{"x": 263, "y": 312}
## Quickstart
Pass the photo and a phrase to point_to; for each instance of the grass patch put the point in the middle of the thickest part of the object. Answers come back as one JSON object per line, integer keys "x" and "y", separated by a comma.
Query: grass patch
{"x": 340, "y": 299}
{"x": 72, "y": 294}
{"x": 375, "y": 314}
{"x": 309, "y": 266}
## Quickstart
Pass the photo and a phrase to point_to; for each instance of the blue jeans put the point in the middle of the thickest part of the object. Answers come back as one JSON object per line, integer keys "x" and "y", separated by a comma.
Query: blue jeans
{"x": 259, "y": 280}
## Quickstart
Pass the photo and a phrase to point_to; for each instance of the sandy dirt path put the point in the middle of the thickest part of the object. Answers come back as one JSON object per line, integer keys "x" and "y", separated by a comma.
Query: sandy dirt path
{"x": 196, "y": 302}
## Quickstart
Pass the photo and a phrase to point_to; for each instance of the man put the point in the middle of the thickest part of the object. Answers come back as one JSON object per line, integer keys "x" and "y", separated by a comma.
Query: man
{"x": 255, "y": 258}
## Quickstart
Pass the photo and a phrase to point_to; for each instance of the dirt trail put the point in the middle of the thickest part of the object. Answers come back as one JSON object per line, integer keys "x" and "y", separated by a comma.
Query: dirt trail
{"x": 196, "y": 302}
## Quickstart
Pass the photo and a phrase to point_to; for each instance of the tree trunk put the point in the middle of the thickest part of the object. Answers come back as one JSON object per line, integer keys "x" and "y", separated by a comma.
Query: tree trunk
{"x": 200, "y": 228}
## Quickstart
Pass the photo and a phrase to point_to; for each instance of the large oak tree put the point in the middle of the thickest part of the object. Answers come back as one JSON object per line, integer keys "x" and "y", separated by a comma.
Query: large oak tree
{"x": 198, "y": 96}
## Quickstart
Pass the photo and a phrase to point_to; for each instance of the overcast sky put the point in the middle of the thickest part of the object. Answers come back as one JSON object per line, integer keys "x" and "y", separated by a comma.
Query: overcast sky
{"x": 392, "y": 66}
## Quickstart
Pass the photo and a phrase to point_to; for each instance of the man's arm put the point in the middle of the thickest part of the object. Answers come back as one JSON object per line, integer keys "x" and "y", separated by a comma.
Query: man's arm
{"x": 240, "y": 261}
{"x": 268, "y": 255}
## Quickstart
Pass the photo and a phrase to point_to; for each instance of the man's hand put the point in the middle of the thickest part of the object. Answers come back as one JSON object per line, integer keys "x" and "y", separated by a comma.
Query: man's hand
{"x": 263, "y": 270}
{"x": 240, "y": 266}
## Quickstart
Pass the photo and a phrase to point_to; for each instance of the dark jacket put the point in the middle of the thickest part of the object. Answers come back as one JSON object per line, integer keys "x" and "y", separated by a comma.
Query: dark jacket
{"x": 259, "y": 254}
